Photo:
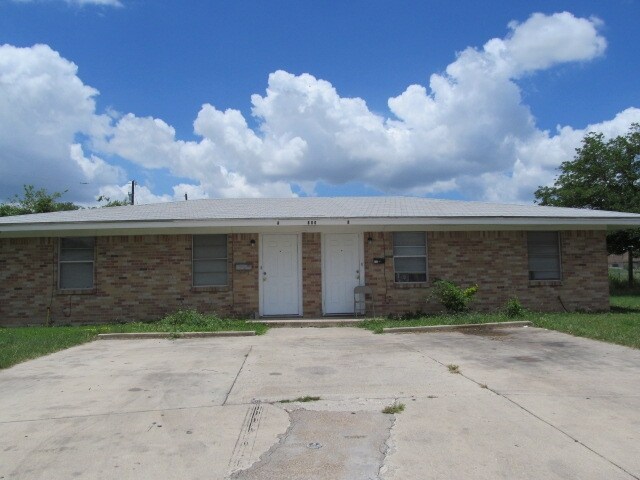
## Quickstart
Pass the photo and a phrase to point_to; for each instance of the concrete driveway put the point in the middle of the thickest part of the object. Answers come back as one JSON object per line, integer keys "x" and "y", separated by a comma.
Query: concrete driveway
{"x": 528, "y": 403}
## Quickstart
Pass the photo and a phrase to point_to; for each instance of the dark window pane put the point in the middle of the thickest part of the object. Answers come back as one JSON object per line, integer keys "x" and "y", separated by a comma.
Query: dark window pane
{"x": 209, "y": 246}
{"x": 209, "y": 260}
{"x": 411, "y": 277}
{"x": 409, "y": 251}
{"x": 205, "y": 279}
{"x": 410, "y": 261}
{"x": 76, "y": 262}
{"x": 78, "y": 242}
{"x": 76, "y": 254}
{"x": 210, "y": 266}
{"x": 76, "y": 275}
{"x": 408, "y": 239}
{"x": 544, "y": 255}
{"x": 410, "y": 265}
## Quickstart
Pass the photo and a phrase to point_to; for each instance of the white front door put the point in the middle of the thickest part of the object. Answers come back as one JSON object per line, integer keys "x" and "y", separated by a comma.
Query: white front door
{"x": 279, "y": 275}
{"x": 341, "y": 271}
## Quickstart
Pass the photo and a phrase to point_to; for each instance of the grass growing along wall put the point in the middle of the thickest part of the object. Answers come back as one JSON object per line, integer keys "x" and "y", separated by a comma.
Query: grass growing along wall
{"x": 18, "y": 344}
{"x": 621, "y": 325}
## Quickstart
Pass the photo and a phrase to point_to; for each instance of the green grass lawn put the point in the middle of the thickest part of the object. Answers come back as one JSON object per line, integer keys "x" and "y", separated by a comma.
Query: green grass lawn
{"x": 23, "y": 343}
{"x": 622, "y": 328}
{"x": 621, "y": 325}
{"x": 622, "y": 303}
{"x": 376, "y": 325}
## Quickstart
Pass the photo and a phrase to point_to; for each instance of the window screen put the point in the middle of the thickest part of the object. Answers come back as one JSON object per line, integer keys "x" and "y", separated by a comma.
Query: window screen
{"x": 544, "y": 255}
{"x": 410, "y": 256}
{"x": 76, "y": 263}
{"x": 209, "y": 260}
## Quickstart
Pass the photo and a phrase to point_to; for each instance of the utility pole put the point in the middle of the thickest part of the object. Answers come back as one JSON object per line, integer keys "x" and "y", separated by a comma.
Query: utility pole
{"x": 132, "y": 195}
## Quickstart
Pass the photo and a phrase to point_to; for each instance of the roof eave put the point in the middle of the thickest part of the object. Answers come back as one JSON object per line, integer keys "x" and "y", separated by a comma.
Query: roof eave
{"x": 436, "y": 223}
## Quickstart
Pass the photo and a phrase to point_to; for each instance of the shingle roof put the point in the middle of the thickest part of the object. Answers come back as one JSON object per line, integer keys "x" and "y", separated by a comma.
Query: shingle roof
{"x": 311, "y": 207}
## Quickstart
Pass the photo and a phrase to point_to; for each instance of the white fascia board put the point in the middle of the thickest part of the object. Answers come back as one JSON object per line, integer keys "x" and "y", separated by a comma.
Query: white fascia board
{"x": 586, "y": 222}
{"x": 314, "y": 224}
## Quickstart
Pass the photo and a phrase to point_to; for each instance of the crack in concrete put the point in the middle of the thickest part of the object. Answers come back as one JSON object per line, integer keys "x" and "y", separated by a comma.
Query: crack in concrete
{"x": 237, "y": 375}
{"x": 557, "y": 429}
{"x": 264, "y": 458}
{"x": 389, "y": 448}
{"x": 537, "y": 417}
{"x": 171, "y": 409}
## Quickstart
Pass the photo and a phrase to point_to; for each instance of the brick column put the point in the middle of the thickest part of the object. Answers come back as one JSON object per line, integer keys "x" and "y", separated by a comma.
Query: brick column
{"x": 311, "y": 275}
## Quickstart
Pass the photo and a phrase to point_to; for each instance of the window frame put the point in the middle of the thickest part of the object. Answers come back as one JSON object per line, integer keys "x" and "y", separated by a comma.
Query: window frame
{"x": 425, "y": 257}
{"x": 92, "y": 262}
{"x": 225, "y": 258}
{"x": 558, "y": 237}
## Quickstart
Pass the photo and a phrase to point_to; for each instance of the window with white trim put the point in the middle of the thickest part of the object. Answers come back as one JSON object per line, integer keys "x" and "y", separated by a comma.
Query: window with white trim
{"x": 209, "y": 260}
{"x": 544, "y": 255}
{"x": 76, "y": 263}
{"x": 410, "y": 257}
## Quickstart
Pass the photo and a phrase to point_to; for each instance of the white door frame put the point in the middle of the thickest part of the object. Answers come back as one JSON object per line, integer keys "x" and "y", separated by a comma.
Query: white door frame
{"x": 360, "y": 243}
{"x": 260, "y": 269}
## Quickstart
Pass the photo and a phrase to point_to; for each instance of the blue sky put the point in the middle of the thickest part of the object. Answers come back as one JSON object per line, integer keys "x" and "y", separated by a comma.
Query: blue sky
{"x": 485, "y": 128}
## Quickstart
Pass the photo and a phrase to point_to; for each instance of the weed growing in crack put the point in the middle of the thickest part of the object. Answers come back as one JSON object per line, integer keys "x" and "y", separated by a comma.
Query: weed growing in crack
{"x": 395, "y": 408}
{"x": 304, "y": 399}
{"x": 453, "y": 368}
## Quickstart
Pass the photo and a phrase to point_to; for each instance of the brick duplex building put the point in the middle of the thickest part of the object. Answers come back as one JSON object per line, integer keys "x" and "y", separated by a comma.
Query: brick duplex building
{"x": 297, "y": 256}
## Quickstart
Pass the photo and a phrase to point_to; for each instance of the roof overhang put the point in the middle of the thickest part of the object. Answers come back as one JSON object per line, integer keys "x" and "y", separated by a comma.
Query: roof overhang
{"x": 147, "y": 227}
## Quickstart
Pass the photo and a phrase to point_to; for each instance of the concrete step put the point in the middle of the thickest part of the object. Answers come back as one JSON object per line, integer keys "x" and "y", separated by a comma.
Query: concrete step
{"x": 308, "y": 322}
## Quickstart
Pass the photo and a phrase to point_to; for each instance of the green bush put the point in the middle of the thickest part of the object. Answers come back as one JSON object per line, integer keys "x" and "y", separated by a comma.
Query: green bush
{"x": 454, "y": 298}
{"x": 513, "y": 308}
{"x": 619, "y": 282}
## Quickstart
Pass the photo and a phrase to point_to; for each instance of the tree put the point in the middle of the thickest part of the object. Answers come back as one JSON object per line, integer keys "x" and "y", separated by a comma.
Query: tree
{"x": 604, "y": 175}
{"x": 112, "y": 203}
{"x": 35, "y": 201}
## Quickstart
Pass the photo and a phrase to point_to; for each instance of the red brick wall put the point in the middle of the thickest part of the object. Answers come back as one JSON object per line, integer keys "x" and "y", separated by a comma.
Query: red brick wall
{"x": 137, "y": 278}
{"x": 145, "y": 277}
{"x": 497, "y": 263}
{"x": 311, "y": 275}
{"x": 245, "y": 282}
{"x": 26, "y": 279}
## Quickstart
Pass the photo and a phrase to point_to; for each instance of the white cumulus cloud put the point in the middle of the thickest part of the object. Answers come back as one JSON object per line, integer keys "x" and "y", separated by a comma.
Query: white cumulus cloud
{"x": 467, "y": 130}
{"x": 44, "y": 106}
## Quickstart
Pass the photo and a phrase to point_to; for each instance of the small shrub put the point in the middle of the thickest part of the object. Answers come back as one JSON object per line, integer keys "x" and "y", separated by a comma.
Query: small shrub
{"x": 395, "y": 408}
{"x": 513, "y": 308}
{"x": 454, "y": 298}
